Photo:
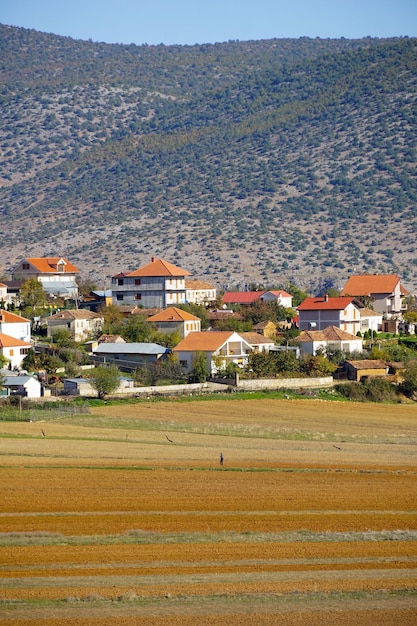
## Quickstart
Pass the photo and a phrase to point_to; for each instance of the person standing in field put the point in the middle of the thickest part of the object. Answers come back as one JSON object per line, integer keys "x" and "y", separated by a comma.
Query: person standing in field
{"x": 221, "y": 458}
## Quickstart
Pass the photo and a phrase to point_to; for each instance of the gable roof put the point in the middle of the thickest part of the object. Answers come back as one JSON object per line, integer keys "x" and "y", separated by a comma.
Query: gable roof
{"x": 280, "y": 293}
{"x": 256, "y": 339}
{"x": 365, "y": 312}
{"x": 204, "y": 341}
{"x": 197, "y": 284}
{"x": 241, "y": 297}
{"x": 331, "y": 333}
{"x": 11, "y": 318}
{"x": 368, "y": 284}
{"x": 74, "y": 314}
{"x": 173, "y": 314}
{"x": 47, "y": 265}
{"x": 368, "y": 364}
{"x": 11, "y": 342}
{"x": 158, "y": 267}
{"x": 329, "y": 304}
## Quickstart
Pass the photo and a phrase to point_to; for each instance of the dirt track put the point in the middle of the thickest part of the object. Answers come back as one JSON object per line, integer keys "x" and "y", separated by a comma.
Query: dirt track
{"x": 313, "y": 518}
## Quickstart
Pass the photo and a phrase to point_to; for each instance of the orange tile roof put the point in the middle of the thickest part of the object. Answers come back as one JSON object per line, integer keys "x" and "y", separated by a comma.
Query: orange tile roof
{"x": 74, "y": 314}
{"x": 367, "y": 284}
{"x": 46, "y": 265}
{"x": 173, "y": 314}
{"x": 330, "y": 304}
{"x": 255, "y": 338}
{"x": 204, "y": 341}
{"x": 197, "y": 284}
{"x": 11, "y": 342}
{"x": 11, "y": 318}
{"x": 159, "y": 267}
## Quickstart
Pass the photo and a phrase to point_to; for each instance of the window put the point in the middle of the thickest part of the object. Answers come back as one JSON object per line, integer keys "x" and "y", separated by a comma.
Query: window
{"x": 137, "y": 281}
{"x": 138, "y": 296}
{"x": 11, "y": 353}
{"x": 120, "y": 281}
{"x": 119, "y": 296}
{"x": 25, "y": 266}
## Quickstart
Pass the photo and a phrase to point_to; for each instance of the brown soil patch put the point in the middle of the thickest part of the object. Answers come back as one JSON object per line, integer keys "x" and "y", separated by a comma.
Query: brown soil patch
{"x": 207, "y": 541}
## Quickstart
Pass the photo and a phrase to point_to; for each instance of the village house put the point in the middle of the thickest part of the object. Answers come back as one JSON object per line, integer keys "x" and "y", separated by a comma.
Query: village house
{"x": 319, "y": 313}
{"x": 384, "y": 291}
{"x": 13, "y": 350}
{"x": 370, "y": 320}
{"x": 241, "y": 297}
{"x": 357, "y": 370}
{"x": 14, "y": 325}
{"x": 328, "y": 340}
{"x": 199, "y": 292}
{"x": 128, "y": 355}
{"x": 81, "y": 323}
{"x": 56, "y": 274}
{"x": 173, "y": 320}
{"x": 157, "y": 285}
{"x": 21, "y": 385}
{"x": 266, "y": 328}
{"x": 219, "y": 347}
{"x": 258, "y": 342}
{"x": 283, "y": 298}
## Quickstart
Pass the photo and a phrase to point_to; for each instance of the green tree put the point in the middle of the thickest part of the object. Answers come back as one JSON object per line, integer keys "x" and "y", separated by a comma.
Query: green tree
{"x": 199, "y": 372}
{"x": 137, "y": 329}
{"x": 105, "y": 379}
{"x": 408, "y": 385}
{"x": 33, "y": 296}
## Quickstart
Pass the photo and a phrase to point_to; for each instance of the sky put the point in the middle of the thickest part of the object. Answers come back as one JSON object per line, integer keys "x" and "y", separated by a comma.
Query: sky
{"x": 188, "y": 22}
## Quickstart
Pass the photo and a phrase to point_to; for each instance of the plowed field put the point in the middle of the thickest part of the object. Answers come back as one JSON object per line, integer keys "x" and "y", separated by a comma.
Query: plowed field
{"x": 126, "y": 515}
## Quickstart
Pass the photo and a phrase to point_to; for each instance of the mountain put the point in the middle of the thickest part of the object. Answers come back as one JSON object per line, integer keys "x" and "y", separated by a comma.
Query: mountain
{"x": 274, "y": 161}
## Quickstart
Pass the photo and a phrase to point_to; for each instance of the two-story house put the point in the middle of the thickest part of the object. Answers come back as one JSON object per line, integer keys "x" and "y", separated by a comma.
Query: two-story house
{"x": 81, "y": 323}
{"x": 319, "y": 313}
{"x": 157, "y": 285}
{"x": 173, "y": 320}
{"x": 199, "y": 292}
{"x": 56, "y": 274}
{"x": 385, "y": 292}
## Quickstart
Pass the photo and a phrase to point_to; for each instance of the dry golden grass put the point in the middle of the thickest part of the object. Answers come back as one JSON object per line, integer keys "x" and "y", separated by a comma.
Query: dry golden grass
{"x": 312, "y": 516}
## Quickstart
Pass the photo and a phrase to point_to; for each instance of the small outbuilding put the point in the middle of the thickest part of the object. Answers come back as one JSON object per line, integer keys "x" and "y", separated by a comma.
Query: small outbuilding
{"x": 357, "y": 370}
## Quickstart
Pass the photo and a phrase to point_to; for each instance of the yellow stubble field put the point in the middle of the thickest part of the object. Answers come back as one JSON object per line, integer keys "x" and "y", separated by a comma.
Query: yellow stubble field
{"x": 126, "y": 515}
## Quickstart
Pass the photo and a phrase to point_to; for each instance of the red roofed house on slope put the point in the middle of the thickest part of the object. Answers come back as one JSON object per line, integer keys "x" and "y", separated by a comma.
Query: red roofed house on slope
{"x": 319, "y": 313}
{"x": 56, "y": 274}
{"x": 385, "y": 291}
{"x": 156, "y": 285}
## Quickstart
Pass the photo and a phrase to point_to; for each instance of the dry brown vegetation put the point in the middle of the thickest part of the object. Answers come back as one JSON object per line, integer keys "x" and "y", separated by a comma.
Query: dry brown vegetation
{"x": 126, "y": 515}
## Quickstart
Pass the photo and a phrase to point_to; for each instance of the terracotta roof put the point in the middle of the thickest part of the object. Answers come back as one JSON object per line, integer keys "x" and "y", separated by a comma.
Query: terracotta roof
{"x": 279, "y": 293}
{"x": 241, "y": 297}
{"x": 173, "y": 314}
{"x": 11, "y": 318}
{"x": 11, "y": 342}
{"x": 330, "y": 304}
{"x": 159, "y": 267}
{"x": 367, "y": 284}
{"x": 331, "y": 333}
{"x": 46, "y": 265}
{"x": 365, "y": 312}
{"x": 255, "y": 338}
{"x": 197, "y": 284}
{"x": 111, "y": 339}
{"x": 368, "y": 364}
{"x": 205, "y": 341}
{"x": 74, "y": 314}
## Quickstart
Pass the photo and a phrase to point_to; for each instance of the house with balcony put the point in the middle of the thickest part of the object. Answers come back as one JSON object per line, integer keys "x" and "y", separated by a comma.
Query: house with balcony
{"x": 384, "y": 292}
{"x": 158, "y": 284}
{"x": 56, "y": 274}
{"x": 220, "y": 348}
{"x": 319, "y": 313}
{"x": 199, "y": 292}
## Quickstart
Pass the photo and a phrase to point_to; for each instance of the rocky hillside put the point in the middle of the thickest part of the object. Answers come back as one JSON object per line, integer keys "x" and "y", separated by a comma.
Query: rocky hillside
{"x": 262, "y": 161}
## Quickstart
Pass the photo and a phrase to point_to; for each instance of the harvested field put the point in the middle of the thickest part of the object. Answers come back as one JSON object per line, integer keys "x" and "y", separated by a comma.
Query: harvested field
{"x": 126, "y": 514}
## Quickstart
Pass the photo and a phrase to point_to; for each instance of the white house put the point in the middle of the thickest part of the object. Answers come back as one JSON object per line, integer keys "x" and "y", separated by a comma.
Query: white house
{"x": 384, "y": 290}
{"x": 319, "y": 313}
{"x": 56, "y": 274}
{"x": 14, "y": 350}
{"x": 157, "y": 285}
{"x": 219, "y": 347}
{"x": 14, "y": 325}
{"x": 370, "y": 320}
{"x": 22, "y": 385}
{"x": 328, "y": 340}
{"x": 82, "y": 323}
{"x": 258, "y": 342}
{"x": 281, "y": 297}
{"x": 199, "y": 292}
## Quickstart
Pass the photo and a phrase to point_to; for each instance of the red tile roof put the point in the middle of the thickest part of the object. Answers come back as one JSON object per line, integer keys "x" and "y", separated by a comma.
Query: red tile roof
{"x": 241, "y": 297}
{"x": 367, "y": 284}
{"x": 328, "y": 304}
{"x": 159, "y": 267}
{"x": 205, "y": 341}
{"x": 279, "y": 293}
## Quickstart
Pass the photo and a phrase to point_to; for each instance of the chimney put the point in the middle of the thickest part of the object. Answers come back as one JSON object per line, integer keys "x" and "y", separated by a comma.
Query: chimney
{"x": 153, "y": 259}
{"x": 326, "y": 297}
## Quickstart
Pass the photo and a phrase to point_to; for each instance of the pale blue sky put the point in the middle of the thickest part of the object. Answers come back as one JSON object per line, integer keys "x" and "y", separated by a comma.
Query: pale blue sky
{"x": 210, "y": 21}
